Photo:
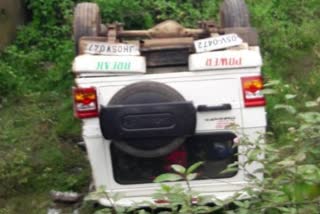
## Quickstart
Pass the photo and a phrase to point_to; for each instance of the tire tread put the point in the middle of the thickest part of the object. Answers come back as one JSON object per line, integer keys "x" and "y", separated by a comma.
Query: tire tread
{"x": 86, "y": 21}
{"x": 234, "y": 13}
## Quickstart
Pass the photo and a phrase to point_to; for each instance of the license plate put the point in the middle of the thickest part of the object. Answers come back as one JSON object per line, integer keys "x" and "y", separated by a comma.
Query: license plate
{"x": 103, "y": 48}
{"x": 224, "y": 60}
{"x": 109, "y": 64}
{"x": 217, "y": 43}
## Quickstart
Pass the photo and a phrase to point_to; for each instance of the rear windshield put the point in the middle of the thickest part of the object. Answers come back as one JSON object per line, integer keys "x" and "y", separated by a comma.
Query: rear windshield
{"x": 216, "y": 150}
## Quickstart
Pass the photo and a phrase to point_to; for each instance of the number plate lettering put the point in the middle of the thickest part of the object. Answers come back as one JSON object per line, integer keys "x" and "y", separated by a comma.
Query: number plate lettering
{"x": 216, "y": 43}
{"x": 109, "y": 64}
{"x": 102, "y": 48}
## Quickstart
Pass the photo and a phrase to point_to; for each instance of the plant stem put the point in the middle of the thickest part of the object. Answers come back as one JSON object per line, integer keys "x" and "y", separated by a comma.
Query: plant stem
{"x": 113, "y": 206}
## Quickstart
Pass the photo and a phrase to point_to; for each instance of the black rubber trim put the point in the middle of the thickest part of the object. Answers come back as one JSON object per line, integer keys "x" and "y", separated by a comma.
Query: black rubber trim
{"x": 205, "y": 108}
{"x": 158, "y": 152}
{"x": 146, "y": 93}
{"x": 123, "y": 122}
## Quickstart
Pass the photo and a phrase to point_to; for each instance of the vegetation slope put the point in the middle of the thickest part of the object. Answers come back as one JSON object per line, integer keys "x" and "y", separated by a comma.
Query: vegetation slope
{"x": 37, "y": 129}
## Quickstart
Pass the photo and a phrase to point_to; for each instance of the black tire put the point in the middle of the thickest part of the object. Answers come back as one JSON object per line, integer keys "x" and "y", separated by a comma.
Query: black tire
{"x": 159, "y": 152}
{"x": 234, "y": 13}
{"x": 86, "y": 21}
{"x": 144, "y": 93}
{"x": 123, "y": 96}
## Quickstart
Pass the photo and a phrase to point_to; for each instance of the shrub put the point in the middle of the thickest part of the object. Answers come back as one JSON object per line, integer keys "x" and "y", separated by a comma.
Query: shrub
{"x": 39, "y": 61}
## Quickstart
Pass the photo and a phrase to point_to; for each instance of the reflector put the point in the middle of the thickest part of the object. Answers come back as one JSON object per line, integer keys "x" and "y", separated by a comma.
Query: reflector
{"x": 252, "y": 91}
{"x": 85, "y": 102}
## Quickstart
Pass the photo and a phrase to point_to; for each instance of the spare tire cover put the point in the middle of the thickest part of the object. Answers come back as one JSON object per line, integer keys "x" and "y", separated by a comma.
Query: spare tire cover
{"x": 147, "y": 93}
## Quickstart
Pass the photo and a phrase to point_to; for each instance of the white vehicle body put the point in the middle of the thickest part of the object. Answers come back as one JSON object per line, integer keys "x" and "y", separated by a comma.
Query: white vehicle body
{"x": 211, "y": 79}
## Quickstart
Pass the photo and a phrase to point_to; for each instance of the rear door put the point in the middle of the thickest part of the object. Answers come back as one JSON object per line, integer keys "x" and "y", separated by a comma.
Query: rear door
{"x": 213, "y": 142}
{"x": 210, "y": 93}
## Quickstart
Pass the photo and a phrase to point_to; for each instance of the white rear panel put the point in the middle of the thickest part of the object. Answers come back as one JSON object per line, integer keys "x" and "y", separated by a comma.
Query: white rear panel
{"x": 209, "y": 88}
{"x": 229, "y": 59}
{"x": 207, "y": 91}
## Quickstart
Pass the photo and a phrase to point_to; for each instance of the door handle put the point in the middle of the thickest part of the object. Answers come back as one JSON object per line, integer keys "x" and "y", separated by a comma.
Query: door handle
{"x": 205, "y": 108}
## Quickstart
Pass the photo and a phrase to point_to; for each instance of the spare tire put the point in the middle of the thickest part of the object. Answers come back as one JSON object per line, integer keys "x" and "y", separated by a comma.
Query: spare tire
{"x": 86, "y": 21}
{"x": 148, "y": 93}
{"x": 234, "y": 13}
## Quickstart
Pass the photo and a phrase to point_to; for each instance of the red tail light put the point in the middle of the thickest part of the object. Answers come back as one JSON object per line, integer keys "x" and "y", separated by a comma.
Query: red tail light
{"x": 85, "y": 102}
{"x": 252, "y": 91}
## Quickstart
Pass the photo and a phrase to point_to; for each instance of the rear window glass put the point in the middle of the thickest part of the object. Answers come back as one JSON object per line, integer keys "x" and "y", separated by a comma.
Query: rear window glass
{"x": 216, "y": 150}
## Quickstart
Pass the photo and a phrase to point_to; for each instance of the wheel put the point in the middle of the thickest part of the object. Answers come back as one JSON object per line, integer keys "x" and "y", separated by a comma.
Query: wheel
{"x": 86, "y": 21}
{"x": 146, "y": 153}
{"x": 234, "y": 13}
{"x": 235, "y": 18}
{"x": 148, "y": 93}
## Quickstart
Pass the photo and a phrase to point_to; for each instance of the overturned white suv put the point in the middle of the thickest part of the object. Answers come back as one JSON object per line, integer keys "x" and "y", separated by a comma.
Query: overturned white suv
{"x": 167, "y": 95}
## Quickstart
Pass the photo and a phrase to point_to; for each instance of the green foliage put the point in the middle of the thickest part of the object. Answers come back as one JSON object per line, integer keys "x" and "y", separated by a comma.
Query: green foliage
{"x": 38, "y": 132}
{"x": 291, "y": 182}
{"x": 178, "y": 199}
{"x": 291, "y": 169}
{"x": 112, "y": 198}
{"x": 288, "y": 32}
{"x": 144, "y": 14}
{"x": 9, "y": 79}
{"x": 36, "y": 203}
{"x": 14, "y": 169}
{"x": 180, "y": 173}
{"x": 33, "y": 157}
{"x": 41, "y": 56}
{"x": 37, "y": 129}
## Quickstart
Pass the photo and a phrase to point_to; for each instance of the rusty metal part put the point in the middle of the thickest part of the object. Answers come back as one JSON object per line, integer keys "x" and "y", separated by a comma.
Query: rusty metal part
{"x": 168, "y": 42}
{"x": 112, "y": 30}
{"x": 159, "y": 57}
{"x": 94, "y": 38}
{"x": 166, "y": 29}
{"x": 209, "y": 26}
{"x": 146, "y": 45}
{"x": 171, "y": 29}
{"x": 249, "y": 35}
{"x": 167, "y": 52}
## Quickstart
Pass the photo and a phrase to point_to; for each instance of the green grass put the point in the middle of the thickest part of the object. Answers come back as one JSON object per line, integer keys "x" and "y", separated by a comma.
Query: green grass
{"x": 38, "y": 149}
{"x": 36, "y": 203}
{"x": 37, "y": 129}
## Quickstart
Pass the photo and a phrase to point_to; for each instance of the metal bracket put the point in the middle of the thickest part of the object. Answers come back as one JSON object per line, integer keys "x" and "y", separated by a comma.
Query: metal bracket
{"x": 111, "y": 33}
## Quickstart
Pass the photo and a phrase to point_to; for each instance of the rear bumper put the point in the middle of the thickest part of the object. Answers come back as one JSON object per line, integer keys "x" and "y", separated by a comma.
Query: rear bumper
{"x": 148, "y": 201}
{"x": 101, "y": 163}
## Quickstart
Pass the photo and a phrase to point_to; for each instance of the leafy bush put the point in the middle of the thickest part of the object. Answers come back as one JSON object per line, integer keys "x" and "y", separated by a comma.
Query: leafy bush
{"x": 291, "y": 170}
{"x": 144, "y": 14}
{"x": 14, "y": 170}
{"x": 291, "y": 182}
{"x": 288, "y": 32}
{"x": 35, "y": 77}
{"x": 38, "y": 133}
{"x": 33, "y": 156}
{"x": 9, "y": 79}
